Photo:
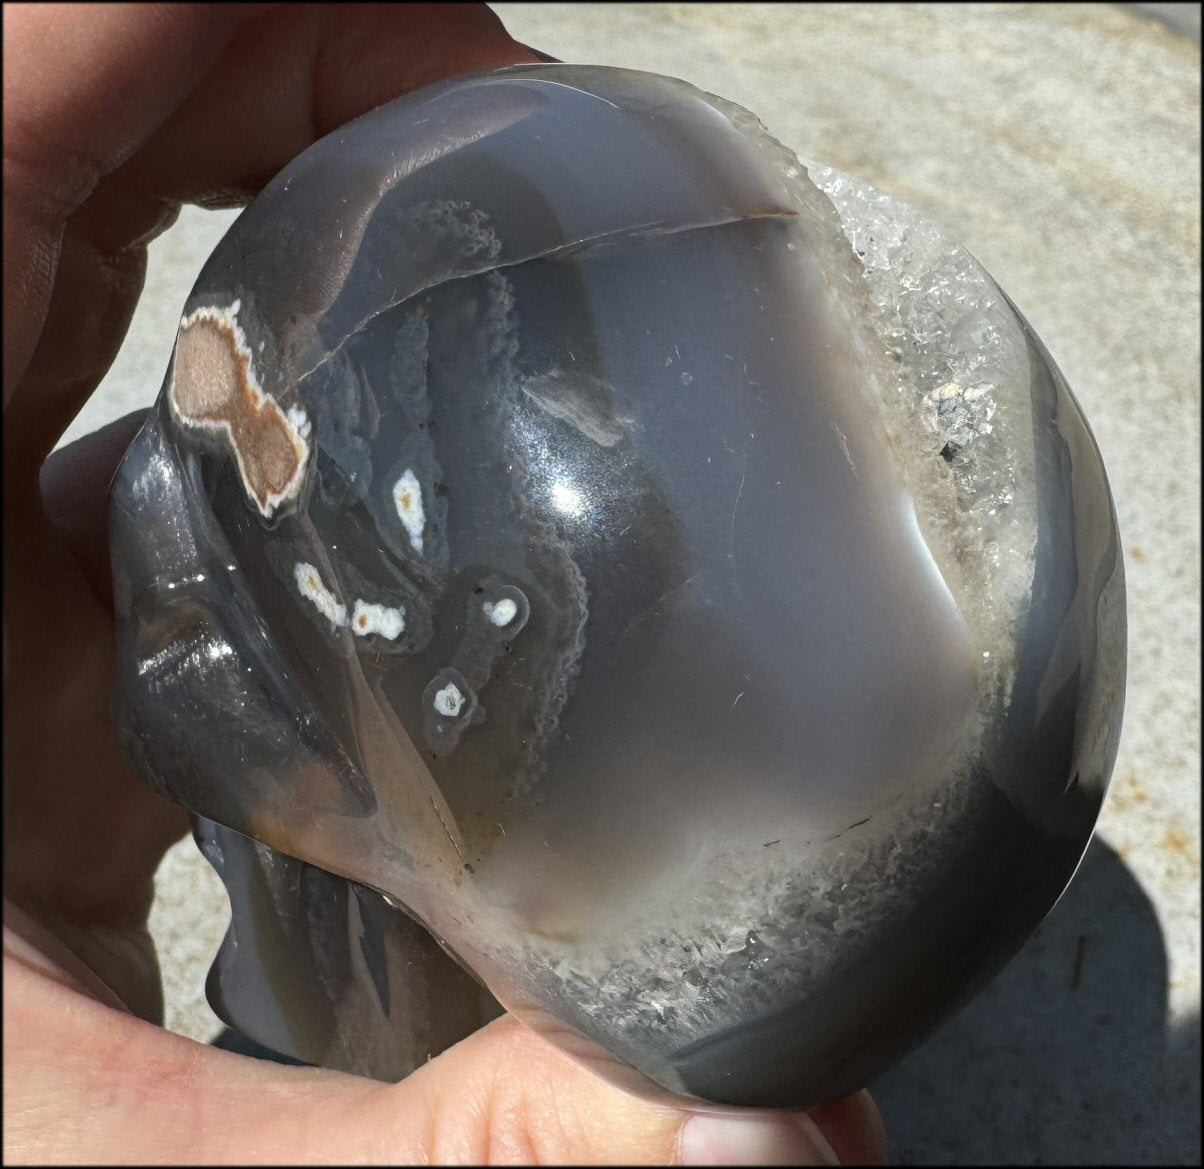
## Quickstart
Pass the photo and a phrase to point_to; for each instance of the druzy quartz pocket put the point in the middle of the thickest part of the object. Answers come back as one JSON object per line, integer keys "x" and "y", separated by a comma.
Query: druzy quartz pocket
{"x": 581, "y": 545}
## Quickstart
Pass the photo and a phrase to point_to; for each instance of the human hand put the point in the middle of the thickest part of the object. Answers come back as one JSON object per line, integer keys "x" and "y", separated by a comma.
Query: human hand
{"x": 114, "y": 116}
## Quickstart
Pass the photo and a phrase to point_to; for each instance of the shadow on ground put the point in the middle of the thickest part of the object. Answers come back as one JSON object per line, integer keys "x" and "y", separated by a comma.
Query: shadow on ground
{"x": 1067, "y": 1057}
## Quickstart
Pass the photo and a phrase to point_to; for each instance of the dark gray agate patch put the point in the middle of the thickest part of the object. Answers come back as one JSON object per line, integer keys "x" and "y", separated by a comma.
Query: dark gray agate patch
{"x": 581, "y": 545}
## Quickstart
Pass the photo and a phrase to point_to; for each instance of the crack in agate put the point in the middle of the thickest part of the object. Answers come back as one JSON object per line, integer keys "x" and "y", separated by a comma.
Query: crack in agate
{"x": 562, "y": 251}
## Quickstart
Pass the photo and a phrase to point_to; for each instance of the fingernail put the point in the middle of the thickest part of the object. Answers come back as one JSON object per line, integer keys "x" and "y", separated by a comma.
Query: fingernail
{"x": 761, "y": 1138}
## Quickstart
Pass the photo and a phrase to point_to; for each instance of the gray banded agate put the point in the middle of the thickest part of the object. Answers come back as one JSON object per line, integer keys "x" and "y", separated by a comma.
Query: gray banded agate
{"x": 586, "y": 559}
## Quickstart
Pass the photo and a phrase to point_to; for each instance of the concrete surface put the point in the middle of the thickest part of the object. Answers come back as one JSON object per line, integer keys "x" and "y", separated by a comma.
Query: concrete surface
{"x": 1183, "y": 18}
{"x": 1061, "y": 144}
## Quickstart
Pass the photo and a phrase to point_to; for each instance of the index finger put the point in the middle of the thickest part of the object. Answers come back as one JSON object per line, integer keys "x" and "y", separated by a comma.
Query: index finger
{"x": 141, "y": 107}
{"x": 72, "y": 116}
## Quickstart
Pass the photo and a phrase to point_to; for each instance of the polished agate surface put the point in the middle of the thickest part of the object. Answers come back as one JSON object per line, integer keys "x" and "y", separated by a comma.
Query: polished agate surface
{"x": 585, "y": 559}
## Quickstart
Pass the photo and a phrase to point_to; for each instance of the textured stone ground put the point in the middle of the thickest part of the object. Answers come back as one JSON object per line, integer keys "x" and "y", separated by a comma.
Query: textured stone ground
{"x": 1061, "y": 144}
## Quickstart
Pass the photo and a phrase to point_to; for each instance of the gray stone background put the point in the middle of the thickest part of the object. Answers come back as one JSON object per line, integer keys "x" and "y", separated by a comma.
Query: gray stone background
{"x": 1061, "y": 144}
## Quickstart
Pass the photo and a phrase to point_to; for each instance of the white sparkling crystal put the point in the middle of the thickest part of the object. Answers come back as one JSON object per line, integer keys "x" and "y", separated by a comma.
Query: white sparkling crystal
{"x": 962, "y": 359}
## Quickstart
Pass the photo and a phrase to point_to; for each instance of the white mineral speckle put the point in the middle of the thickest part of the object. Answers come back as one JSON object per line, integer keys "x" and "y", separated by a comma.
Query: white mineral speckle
{"x": 310, "y": 586}
{"x": 502, "y": 613}
{"x": 407, "y": 495}
{"x": 366, "y": 619}
{"x": 449, "y": 701}
{"x": 299, "y": 421}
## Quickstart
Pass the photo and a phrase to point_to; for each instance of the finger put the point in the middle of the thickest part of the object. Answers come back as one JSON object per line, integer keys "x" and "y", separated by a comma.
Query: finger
{"x": 82, "y": 835}
{"x": 89, "y": 311}
{"x": 272, "y": 85}
{"x": 502, "y": 1096}
{"x": 73, "y": 115}
{"x": 74, "y": 485}
{"x": 295, "y": 73}
{"x": 854, "y": 1128}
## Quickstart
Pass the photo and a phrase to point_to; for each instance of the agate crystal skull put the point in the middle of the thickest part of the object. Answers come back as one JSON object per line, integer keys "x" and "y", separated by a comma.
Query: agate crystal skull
{"x": 586, "y": 560}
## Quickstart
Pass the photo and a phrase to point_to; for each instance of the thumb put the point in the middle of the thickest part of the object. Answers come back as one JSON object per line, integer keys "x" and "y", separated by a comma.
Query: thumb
{"x": 505, "y": 1095}
{"x": 89, "y": 1083}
